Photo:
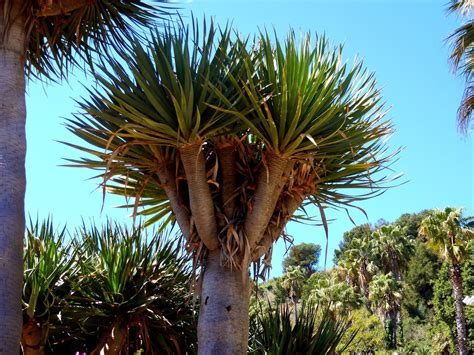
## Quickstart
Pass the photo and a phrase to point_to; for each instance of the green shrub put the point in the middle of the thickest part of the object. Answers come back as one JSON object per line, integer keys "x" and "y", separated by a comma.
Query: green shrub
{"x": 314, "y": 331}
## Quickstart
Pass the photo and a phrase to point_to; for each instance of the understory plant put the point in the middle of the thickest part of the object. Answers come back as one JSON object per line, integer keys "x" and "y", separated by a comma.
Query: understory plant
{"x": 315, "y": 330}
{"x": 50, "y": 265}
{"x": 106, "y": 290}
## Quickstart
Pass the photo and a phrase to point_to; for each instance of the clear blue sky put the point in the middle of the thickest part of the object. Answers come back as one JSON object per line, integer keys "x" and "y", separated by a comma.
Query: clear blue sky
{"x": 403, "y": 42}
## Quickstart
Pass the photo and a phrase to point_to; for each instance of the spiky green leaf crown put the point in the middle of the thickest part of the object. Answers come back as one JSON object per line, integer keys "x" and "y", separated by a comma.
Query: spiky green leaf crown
{"x": 264, "y": 98}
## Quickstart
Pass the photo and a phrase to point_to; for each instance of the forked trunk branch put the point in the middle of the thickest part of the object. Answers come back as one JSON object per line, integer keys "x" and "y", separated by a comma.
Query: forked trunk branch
{"x": 167, "y": 179}
{"x": 289, "y": 206}
{"x": 113, "y": 342}
{"x": 200, "y": 199}
{"x": 227, "y": 158}
{"x": 269, "y": 185}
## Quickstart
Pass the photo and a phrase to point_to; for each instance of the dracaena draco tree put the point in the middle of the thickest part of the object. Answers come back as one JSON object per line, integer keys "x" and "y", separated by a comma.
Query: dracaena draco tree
{"x": 43, "y": 39}
{"x": 229, "y": 137}
{"x": 448, "y": 233}
{"x": 105, "y": 290}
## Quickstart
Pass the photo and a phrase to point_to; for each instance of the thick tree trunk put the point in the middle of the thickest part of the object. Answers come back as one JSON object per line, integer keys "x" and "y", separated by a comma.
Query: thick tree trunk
{"x": 223, "y": 316}
{"x": 12, "y": 178}
{"x": 456, "y": 280}
{"x": 269, "y": 186}
{"x": 200, "y": 198}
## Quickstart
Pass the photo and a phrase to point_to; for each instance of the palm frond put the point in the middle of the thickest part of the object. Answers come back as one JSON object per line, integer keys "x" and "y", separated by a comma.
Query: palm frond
{"x": 462, "y": 59}
{"x": 63, "y": 40}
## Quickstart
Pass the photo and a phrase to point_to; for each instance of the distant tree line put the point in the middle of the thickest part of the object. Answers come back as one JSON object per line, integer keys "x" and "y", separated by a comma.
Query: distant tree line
{"x": 396, "y": 280}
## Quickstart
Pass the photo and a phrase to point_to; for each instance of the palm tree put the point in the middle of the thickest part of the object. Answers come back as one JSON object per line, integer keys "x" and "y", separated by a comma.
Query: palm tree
{"x": 228, "y": 137}
{"x": 339, "y": 296}
{"x": 448, "y": 233}
{"x": 357, "y": 265}
{"x": 462, "y": 59}
{"x": 393, "y": 249}
{"x": 293, "y": 280}
{"x": 42, "y": 39}
{"x": 385, "y": 294}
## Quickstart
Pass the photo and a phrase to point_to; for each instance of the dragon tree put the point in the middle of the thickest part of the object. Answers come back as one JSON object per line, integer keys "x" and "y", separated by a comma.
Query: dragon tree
{"x": 230, "y": 138}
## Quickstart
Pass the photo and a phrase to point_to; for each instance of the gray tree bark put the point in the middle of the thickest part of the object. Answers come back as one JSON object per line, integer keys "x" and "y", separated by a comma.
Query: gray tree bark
{"x": 456, "y": 280}
{"x": 12, "y": 177}
{"x": 223, "y": 315}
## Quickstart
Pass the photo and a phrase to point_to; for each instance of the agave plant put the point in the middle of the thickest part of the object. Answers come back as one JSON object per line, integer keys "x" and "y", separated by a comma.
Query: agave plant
{"x": 314, "y": 331}
{"x": 49, "y": 267}
{"x": 132, "y": 295}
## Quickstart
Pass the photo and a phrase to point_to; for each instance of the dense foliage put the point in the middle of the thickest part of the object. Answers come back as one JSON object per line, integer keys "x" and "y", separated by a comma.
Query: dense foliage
{"x": 314, "y": 331}
{"x": 106, "y": 288}
{"x": 305, "y": 255}
{"x": 394, "y": 287}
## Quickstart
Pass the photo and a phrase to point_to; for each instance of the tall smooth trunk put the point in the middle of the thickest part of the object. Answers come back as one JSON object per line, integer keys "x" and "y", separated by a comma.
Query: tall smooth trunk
{"x": 456, "y": 280}
{"x": 12, "y": 178}
{"x": 223, "y": 316}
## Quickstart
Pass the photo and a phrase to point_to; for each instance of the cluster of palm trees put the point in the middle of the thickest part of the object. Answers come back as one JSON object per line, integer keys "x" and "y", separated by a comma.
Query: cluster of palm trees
{"x": 373, "y": 263}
